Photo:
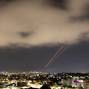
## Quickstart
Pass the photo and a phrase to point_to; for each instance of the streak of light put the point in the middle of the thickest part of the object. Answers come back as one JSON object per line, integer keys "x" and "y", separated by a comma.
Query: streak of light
{"x": 60, "y": 52}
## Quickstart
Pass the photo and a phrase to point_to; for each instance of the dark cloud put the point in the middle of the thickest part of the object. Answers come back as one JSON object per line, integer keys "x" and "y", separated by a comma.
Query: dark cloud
{"x": 80, "y": 19}
{"x": 7, "y": 1}
{"x": 83, "y": 17}
{"x": 25, "y": 34}
{"x": 59, "y": 4}
{"x": 4, "y": 3}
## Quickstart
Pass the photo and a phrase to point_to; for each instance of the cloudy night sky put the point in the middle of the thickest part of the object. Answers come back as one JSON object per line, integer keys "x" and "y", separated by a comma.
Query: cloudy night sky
{"x": 32, "y": 32}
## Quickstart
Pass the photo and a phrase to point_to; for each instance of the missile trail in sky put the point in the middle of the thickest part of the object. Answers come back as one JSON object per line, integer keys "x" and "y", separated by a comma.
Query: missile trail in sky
{"x": 60, "y": 51}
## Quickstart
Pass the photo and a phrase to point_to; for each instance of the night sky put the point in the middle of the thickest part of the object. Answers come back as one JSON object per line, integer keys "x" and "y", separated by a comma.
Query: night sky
{"x": 31, "y": 32}
{"x": 74, "y": 59}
